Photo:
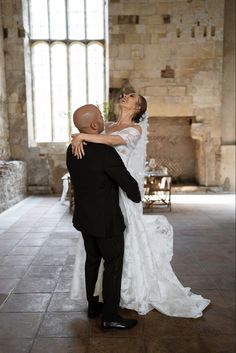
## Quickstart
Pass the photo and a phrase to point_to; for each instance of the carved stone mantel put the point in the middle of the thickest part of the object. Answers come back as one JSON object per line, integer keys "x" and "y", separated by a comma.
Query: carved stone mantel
{"x": 199, "y": 131}
{"x": 207, "y": 155}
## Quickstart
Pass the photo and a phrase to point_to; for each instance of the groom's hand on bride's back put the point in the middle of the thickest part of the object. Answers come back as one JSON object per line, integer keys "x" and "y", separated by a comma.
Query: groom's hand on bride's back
{"x": 117, "y": 171}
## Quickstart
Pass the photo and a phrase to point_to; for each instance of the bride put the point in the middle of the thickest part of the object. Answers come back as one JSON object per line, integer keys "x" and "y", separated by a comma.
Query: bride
{"x": 148, "y": 280}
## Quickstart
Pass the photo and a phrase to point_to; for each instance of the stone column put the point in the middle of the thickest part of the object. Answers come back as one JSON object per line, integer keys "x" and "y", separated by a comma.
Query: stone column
{"x": 4, "y": 128}
{"x": 228, "y": 102}
{"x": 15, "y": 77}
{"x": 207, "y": 155}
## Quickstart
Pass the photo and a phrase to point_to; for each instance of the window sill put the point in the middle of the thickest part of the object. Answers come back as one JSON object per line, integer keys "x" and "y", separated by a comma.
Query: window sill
{"x": 52, "y": 147}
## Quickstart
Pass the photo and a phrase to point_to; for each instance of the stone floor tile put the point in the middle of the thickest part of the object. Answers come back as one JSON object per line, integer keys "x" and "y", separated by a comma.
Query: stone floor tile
{"x": 216, "y": 321}
{"x": 27, "y": 302}
{"x": 18, "y": 229}
{"x": 31, "y": 235}
{"x": 193, "y": 269}
{"x": 197, "y": 282}
{"x": 48, "y": 250}
{"x": 59, "y": 345}
{"x": 52, "y": 272}
{"x": 64, "y": 284}
{"x": 11, "y": 235}
{"x": 52, "y": 260}
{"x": 219, "y": 344}
{"x": 229, "y": 297}
{"x": 32, "y": 242}
{"x": 225, "y": 282}
{"x": 175, "y": 344}
{"x": 25, "y": 250}
{"x": 36, "y": 285}
{"x": 16, "y": 345}
{"x": 19, "y": 325}
{"x": 13, "y": 271}
{"x": 14, "y": 260}
{"x": 217, "y": 299}
{"x": 203, "y": 238}
{"x": 8, "y": 284}
{"x": 157, "y": 324}
{"x": 62, "y": 302}
{"x": 61, "y": 235}
{"x": 62, "y": 228}
{"x": 213, "y": 269}
{"x": 42, "y": 229}
{"x": 3, "y": 298}
{"x": 116, "y": 345}
{"x": 66, "y": 324}
{"x": 61, "y": 242}
{"x": 67, "y": 271}
{"x": 7, "y": 245}
{"x": 213, "y": 258}
{"x": 36, "y": 234}
{"x": 184, "y": 258}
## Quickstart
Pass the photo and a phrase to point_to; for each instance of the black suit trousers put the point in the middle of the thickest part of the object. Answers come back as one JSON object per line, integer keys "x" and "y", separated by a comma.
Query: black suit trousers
{"x": 112, "y": 251}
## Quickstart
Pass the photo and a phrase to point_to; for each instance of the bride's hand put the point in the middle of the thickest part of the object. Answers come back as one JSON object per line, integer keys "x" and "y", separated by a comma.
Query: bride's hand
{"x": 77, "y": 143}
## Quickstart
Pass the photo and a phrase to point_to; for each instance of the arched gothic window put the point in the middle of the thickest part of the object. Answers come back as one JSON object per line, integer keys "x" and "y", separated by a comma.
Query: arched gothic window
{"x": 67, "y": 46}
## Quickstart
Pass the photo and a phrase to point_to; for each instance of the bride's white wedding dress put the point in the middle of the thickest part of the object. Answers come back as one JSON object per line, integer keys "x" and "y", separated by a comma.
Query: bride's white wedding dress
{"x": 148, "y": 280}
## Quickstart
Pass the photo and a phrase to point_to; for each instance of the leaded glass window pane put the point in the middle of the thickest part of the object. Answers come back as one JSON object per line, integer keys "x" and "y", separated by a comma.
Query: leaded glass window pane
{"x": 77, "y": 76}
{"x": 76, "y": 17}
{"x": 96, "y": 73}
{"x": 57, "y": 19}
{"x": 39, "y": 19}
{"x": 41, "y": 92}
{"x": 59, "y": 92}
{"x": 95, "y": 19}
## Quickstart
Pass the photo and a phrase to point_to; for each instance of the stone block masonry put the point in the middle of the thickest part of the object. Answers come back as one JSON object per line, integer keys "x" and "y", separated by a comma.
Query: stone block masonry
{"x": 13, "y": 183}
{"x": 178, "y": 65}
{"x": 169, "y": 51}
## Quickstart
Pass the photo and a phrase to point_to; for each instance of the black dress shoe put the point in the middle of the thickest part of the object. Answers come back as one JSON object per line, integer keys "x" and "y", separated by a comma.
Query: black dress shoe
{"x": 94, "y": 310}
{"x": 119, "y": 324}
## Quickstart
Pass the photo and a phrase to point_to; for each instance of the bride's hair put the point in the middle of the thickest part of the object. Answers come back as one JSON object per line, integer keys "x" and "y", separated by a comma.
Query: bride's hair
{"x": 143, "y": 107}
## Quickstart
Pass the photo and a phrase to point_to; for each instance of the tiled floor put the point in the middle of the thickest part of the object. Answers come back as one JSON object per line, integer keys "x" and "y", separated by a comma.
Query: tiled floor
{"x": 37, "y": 245}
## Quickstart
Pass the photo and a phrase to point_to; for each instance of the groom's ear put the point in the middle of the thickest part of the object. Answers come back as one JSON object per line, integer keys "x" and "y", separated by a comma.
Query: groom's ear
{"x": 93, "y": 126}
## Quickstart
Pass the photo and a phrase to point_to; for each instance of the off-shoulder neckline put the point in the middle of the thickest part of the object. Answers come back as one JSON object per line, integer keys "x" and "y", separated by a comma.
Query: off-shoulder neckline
{"x": 128, "y": 127}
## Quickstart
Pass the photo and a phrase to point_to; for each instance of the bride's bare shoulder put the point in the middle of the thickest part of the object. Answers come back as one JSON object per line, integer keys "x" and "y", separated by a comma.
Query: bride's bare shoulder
{"x": 137, "y": 127}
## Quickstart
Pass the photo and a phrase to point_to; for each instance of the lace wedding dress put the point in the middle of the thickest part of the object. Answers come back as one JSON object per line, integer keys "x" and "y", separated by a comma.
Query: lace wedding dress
{"x": 148, "y": 280}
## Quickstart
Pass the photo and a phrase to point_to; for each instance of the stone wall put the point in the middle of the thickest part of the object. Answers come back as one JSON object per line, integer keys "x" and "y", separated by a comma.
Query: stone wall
{"x": 228, "y": 163}
{"x": 228, "y": 91}
{"x": 45, "y": 164}
{"x": 4, "y": 132}
{"x": 171, "y": 52}
{"x": 12, "y": 183}
{"x": 228, "y": 103}
{"x": 15, "y": 77}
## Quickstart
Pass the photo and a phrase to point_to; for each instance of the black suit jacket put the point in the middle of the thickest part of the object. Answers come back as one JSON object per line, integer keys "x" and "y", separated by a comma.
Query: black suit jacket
{"x": 96, "y": 179}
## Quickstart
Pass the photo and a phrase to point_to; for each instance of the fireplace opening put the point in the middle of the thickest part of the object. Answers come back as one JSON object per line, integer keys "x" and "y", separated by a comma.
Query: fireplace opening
{"x": 172, "y": 146}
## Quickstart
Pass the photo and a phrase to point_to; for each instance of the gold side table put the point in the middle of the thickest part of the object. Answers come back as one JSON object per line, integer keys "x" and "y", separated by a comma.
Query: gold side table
{"x": 157, "y": 190}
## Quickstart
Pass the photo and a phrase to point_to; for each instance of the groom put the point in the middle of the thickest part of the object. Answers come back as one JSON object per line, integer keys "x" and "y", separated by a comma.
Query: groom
{"x": 96, "y": 179}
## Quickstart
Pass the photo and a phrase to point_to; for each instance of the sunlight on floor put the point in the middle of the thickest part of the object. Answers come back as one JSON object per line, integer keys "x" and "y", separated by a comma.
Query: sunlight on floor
{"x": 228, "y": 199}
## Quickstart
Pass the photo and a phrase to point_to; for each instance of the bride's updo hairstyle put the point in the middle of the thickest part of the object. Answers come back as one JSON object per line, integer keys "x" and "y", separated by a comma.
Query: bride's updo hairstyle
{"x": 138, "y": 116}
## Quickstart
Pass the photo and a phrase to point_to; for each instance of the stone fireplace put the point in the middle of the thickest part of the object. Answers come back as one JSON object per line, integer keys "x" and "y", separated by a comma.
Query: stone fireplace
{"x": 172, "y": 146}
{"x": 185, "y": 147}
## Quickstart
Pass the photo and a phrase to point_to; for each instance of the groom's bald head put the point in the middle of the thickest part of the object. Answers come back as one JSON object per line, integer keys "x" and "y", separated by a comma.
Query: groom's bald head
{"x": 88, "y": 119}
